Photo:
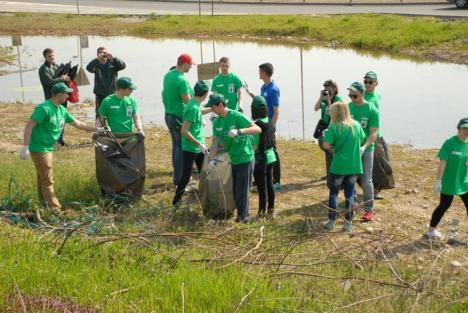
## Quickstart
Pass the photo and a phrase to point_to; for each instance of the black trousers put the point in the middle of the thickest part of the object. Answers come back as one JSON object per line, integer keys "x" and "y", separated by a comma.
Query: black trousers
{"x": 444, "y": 205}
{"x": 188, "y": 158}
{"x": 276, "y": 165}
{"x": 264, "y": 180}
{"x": 60, "y": 140}
{"x": 98, "y": 103}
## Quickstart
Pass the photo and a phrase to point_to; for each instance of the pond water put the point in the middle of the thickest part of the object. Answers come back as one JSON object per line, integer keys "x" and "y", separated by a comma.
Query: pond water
{"x": 421, "y": 101}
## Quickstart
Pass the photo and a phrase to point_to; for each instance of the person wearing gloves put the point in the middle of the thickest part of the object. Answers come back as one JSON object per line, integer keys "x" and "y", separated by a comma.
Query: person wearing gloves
{"x": 230, "y": 131}
{"x": 368, "y": 116}
{"x": 343, "y": 138}
{"x": 120, "y": 110}
{"x": 193, "y": 137}
{"x": 41, "y": 133}
{"x": 452, "y": 175}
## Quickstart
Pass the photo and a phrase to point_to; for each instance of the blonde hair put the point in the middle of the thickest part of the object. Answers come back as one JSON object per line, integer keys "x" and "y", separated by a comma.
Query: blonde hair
{"x": 341, "y": 117}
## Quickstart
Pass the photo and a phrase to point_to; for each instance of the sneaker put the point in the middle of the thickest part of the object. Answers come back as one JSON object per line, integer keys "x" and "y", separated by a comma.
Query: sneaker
{"x": 261, "y": 214}
{"x": 253, "y": 189}
{"x": 330, "y": 225}
{"x": 347, "y": 227}
{"x": 271, "y": 215}
{"x": 277, "y": 186}
{"x": 368, "y": 216}
{"x": 378, "y": 196}
{"x": 434, "y": 234}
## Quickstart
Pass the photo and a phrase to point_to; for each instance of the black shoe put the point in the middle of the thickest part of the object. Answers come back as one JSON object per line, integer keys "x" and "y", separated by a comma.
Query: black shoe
{"x": 176, "y": 199}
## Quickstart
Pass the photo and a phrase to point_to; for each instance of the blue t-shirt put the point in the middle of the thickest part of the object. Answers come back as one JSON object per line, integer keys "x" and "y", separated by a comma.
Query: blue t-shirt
{"x": 271, "y": 93}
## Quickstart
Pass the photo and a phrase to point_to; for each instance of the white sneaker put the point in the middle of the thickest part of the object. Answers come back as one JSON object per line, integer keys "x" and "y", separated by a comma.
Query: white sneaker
{"x": 434, "y": 234}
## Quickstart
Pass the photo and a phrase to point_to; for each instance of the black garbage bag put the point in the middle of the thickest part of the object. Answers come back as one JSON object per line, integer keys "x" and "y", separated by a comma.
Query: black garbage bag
{"x": 382, "y": 172}
{"x": 120, "y": 165}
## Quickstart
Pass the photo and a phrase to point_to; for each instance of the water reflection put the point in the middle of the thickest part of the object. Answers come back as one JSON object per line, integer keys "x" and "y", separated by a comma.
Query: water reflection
{"x": 421, "y": 101}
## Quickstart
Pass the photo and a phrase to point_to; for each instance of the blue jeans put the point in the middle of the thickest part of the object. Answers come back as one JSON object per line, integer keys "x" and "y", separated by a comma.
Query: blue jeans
{"x": 366, "y": 180}
{"x": 242, "y": 180}
{"x": 349, "y": 182}
{"x": 174, "y": 123}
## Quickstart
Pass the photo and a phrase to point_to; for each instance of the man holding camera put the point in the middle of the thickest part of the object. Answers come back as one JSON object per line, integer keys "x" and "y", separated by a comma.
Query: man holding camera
{"x": 105, "y": 68}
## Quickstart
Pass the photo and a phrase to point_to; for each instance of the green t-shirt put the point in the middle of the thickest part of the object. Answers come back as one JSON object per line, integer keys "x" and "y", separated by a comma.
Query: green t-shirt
{"x": 374, "y": 98}
{"x": 175, "y": 85}
{"x": 455, "y": 178}
{"x": 50, "y": 119}
{"x": 193, "y": 114}
{"x": 228, "y": 85}
{"x": 119, "y": 112}
{"x": 368, "y": 116}
{"x": 240, "y": 148}
{"x": 325, "y": 109}
{"x": 270, "y": 154}
{"x": 346, "y": 143}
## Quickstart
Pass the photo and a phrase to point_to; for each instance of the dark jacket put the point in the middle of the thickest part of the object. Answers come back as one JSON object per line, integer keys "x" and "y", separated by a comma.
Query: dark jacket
{"x": 105, "y": 77}
{"x": 46, "y": 75}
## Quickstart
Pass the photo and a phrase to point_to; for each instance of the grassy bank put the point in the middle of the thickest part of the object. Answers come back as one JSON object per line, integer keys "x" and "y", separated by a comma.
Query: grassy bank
{"x": 149, "y": 257}
{"x": 425, "y": 37}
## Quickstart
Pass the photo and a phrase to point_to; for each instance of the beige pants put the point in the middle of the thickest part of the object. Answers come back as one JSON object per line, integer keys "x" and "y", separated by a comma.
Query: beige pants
{"x": 45, "y": 183}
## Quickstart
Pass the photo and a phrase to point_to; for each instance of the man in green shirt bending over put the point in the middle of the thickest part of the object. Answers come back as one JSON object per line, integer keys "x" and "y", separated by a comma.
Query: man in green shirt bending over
{"x": 121, "y": 110}
{"x": 231, "y": 130}
{"x": 229, "y": 85}
{"x": 40, "y": 134}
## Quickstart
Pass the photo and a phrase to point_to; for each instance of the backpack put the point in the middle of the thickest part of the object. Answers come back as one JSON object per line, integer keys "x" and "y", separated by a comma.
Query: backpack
{"x": 267, "y": 136}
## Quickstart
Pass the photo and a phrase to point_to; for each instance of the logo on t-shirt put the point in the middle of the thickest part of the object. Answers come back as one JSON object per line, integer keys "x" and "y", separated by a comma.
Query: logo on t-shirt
{"x": 364, "y": 121}
{"x": 129, "y": 111}
{"x": 231, "y": 88}
{"x": 62, "y": 123}
{"x": 456, "y": 153}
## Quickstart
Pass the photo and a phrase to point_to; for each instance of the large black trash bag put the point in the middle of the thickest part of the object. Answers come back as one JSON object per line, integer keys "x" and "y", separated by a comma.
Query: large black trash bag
{"x": 382, "y": 172}
{"x": 120, "y": 165}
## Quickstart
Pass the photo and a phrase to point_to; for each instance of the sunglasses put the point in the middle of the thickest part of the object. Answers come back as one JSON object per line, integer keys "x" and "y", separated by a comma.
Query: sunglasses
{"x": 368, "y": 82}
{"x": 353, "y": 96}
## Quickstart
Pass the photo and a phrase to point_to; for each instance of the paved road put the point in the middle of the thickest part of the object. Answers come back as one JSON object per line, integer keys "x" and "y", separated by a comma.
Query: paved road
{"x": 148, "y": 7}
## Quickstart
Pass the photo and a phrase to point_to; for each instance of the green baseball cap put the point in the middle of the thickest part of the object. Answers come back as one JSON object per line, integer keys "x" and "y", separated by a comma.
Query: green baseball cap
{"x": 215, "y": 98}
{"x": 371, "y": 75}
{"x": 258, "y": 102}
{"x": 201, "y": 87}
{"x": 61, "y": 87}
{"x": 125, "y": 82}
{"x": 357, "y": 86}
{"x": 463, "y": 123}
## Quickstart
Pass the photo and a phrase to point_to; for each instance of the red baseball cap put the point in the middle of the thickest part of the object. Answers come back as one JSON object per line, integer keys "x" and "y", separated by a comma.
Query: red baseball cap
{"x": 185, "y": 58}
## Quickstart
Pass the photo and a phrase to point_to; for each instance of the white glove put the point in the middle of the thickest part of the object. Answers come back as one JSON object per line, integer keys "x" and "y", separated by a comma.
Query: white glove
{"x": 361, "y": 150}
{"x": 101, "y": 130}
{"x": 437, "y": 186}
{"x": 24, "y": 152}
{"x": 233, "y": 133}
{"x": 203, "y": 149}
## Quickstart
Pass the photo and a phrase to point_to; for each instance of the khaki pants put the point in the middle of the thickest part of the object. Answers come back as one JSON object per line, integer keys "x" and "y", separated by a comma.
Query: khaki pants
{"x": 45, "y": 183}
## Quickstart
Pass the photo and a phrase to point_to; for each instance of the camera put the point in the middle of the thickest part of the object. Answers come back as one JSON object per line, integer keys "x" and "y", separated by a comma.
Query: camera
{"x": 325, "y": 93}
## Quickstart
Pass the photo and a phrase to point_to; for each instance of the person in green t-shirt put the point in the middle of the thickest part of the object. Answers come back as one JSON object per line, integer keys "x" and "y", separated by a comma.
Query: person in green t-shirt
{"x": 368, "y": 116}
{"x": 231, "y": 130}
{"x": 343, "y": 138}
{"x": 229, "y": 85}
{"x": 371, "y": 95}
{"x": 41, "y": 133}
{"x": 120, "y": 110}
{"x": 328, "y": 96}
{"x": 264, "y": 157}
{"x": 452, "y": 175}
{"x": 193, "y": 137}
{"x": 176, "y": 94}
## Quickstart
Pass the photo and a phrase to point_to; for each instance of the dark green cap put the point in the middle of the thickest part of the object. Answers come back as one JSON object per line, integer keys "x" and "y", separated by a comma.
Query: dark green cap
{"x": 215, "y": 98}
{"x": 357, "y": 86}
{"x": 125, "y": 82}
{"x": 371, "y": 75}
{"x": 201, "y": 87}
{"x": 463, "y": 123}
{"x": 61, "y": 87}
{"x": 258, "y": 102}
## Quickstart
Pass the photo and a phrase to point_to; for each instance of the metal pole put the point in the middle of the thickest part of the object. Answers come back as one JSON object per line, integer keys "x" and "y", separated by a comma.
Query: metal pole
{"x": 20, "y": 72}
{"x": 214, "y": 52}
{"x": 199, "y": 7}
{"x": 212, "y": 7}
{"x": 302, "y": 96}
{"x": 201, "y": 51}
{"x": 78, "y": 7}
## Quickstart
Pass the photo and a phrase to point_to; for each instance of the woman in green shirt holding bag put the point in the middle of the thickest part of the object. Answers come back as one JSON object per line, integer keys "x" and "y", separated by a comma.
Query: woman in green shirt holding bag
{"x": 452, "y": 175}
{"x": 343, "y": 139}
